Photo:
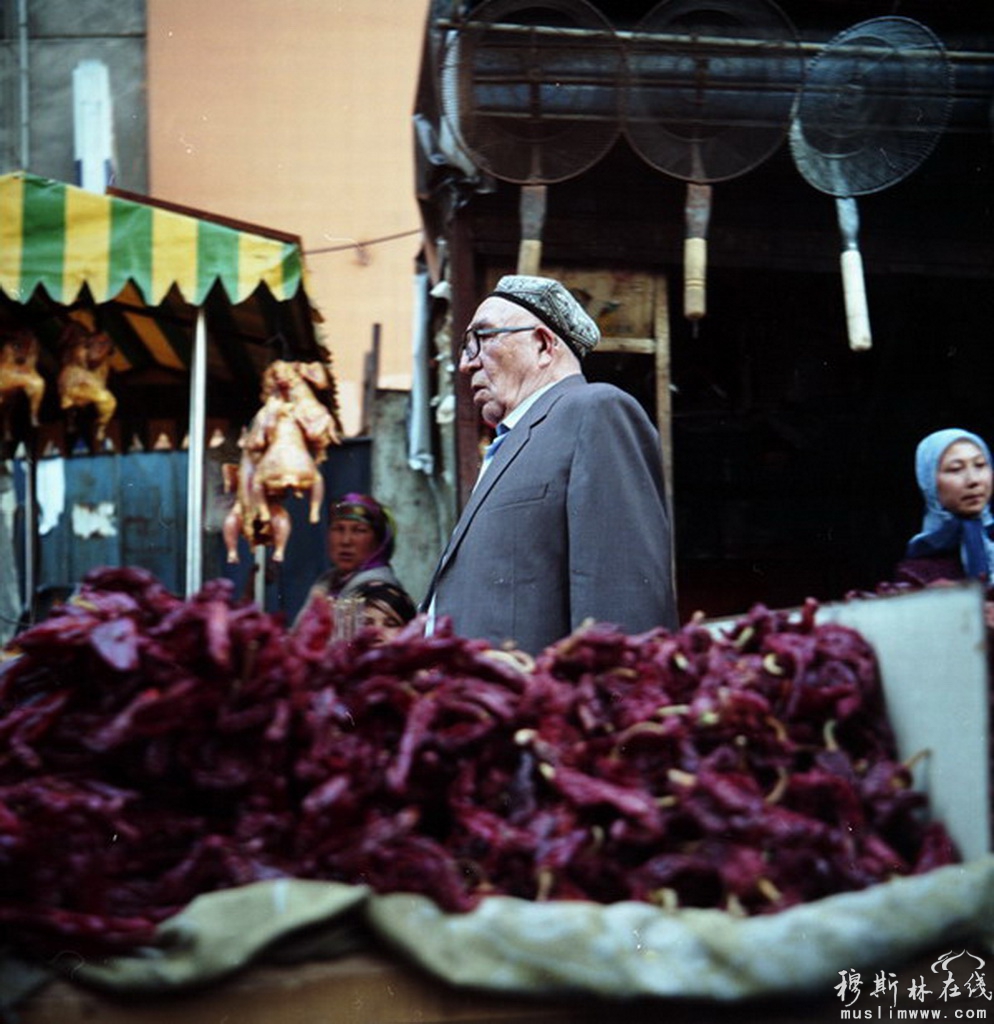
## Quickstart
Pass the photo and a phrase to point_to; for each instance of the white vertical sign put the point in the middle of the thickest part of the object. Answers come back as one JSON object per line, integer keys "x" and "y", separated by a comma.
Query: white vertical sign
{"x": 93, "y": 126}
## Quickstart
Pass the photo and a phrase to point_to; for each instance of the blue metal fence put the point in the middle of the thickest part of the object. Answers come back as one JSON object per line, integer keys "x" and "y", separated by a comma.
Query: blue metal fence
{"x": 98, "y": 510}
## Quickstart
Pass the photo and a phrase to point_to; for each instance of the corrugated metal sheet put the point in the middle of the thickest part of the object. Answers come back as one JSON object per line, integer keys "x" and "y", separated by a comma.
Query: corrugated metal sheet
{"x": 110, "y": 510}
{"x": 97, "y": 510}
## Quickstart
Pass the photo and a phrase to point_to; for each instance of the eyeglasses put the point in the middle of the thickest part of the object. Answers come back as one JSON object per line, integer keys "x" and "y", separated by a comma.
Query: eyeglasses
{"x": 474, "y": 337}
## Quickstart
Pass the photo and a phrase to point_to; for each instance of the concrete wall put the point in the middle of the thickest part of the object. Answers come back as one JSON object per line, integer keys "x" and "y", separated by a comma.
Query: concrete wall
{"x": 61, "y": 33}
{"x": 9, "y": 112}
{"x": 421, "y": 505}
{"x": 293, "y": 116}
{"x": 298, "y": 116}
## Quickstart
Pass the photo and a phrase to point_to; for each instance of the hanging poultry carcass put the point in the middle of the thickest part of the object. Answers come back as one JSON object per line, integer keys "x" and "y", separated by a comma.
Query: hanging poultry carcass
{"x": 282, "y": 449}
{"x": 19, "y": 350}
{"x": 85, "y": 356}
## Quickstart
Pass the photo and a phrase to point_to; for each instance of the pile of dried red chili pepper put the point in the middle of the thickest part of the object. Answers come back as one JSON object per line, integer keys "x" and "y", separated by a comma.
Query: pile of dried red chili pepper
{"x": 153, "y": 748}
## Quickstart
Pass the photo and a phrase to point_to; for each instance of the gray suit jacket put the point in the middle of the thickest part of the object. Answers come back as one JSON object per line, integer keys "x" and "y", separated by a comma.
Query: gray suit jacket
{"x": 568, "y": 523}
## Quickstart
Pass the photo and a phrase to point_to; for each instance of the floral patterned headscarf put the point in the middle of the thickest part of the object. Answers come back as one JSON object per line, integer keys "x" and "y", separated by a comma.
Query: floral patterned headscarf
{"x": 366, "y": 509}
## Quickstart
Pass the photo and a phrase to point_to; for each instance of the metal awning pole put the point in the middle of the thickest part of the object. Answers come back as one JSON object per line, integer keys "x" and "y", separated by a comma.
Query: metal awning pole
{"x": 195, "y": 456}
{"x": 30, "y": 529}
{"x": 259, "y": 576}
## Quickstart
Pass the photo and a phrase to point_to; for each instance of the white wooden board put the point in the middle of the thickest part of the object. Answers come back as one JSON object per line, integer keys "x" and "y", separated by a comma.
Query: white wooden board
{"x": 931, "y": 646}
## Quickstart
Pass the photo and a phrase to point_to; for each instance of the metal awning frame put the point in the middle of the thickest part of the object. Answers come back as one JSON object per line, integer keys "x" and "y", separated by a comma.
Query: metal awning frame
{"x": 197, "y": 417}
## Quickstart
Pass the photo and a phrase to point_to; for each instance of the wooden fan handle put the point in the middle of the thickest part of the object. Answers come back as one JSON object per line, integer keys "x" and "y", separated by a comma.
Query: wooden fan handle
{"x": 532, "y": 209}
{"x": 857, "y": 314}
{"x": 695, "y": 268}
{"x": 695, "y": 250}
{"x": 529, "y": 256}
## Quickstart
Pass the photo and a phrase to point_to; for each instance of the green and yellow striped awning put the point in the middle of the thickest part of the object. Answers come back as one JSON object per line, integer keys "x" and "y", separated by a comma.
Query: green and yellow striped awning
{"x": 61, "y": 238}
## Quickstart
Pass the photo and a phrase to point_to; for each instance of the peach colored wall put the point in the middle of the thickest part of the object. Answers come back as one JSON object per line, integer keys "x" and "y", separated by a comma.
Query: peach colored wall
{"x": 296, "y": 115}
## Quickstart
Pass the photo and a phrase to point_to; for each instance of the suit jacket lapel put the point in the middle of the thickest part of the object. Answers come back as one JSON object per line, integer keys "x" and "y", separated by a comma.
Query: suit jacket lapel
{"x": 519, "y": 436}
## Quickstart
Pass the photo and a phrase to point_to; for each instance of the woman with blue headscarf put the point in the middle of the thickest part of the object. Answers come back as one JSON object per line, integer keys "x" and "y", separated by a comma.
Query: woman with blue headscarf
{"x": 956, "y": 542}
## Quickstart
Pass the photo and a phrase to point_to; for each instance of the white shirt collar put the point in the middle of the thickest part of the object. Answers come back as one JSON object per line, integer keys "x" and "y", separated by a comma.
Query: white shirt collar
{"x": 522, "y": 407}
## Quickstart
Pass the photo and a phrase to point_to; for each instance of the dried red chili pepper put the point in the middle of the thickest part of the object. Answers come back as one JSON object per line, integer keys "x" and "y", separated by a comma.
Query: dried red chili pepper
{"x": 203, "y": 745}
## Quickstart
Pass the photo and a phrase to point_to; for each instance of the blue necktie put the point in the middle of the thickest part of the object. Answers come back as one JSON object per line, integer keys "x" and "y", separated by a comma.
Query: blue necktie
{"x": 491, "y": 449}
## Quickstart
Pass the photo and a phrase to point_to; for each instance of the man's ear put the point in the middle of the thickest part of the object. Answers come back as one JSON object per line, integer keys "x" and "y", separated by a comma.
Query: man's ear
{"x": 546, "y": 341}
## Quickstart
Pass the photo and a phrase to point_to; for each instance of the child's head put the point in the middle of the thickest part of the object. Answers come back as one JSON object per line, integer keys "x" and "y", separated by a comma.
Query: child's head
{"x": 386, "y": 608}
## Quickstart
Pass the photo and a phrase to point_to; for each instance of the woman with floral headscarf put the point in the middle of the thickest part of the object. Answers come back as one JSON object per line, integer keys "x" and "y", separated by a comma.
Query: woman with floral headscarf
{"x": 956, "y": 541}
{"x": 360, "y": 544}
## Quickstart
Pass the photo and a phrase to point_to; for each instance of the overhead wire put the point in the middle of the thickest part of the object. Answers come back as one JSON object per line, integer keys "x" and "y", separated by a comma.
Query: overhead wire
{"x": 361, "y": 246}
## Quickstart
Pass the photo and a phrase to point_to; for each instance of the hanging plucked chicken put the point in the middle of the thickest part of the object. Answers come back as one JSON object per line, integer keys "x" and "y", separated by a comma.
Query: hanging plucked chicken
{"x": 282, "y": 449}
{"x": 19, "y": 351}
{"x": 85, "y": 356}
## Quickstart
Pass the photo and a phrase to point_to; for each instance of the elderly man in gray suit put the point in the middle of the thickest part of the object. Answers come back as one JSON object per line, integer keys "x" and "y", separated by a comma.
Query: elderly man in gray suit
{"x": 568, "y": 519}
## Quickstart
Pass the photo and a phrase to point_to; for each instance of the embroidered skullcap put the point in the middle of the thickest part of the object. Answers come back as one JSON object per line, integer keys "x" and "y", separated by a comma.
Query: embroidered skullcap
{"x": 555, "y": 306}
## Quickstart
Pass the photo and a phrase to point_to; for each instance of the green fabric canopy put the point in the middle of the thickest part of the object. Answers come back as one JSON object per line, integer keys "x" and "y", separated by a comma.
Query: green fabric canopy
{"x": 62, "y": 238}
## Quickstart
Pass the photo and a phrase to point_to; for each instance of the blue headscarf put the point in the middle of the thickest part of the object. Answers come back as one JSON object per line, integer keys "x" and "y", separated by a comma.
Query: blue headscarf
{"x": 944, "y": 532}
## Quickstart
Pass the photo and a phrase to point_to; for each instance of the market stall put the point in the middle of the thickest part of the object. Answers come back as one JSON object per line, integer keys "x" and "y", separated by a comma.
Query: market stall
{"x": 190, "y": 309}
{"x": 777, "y": 894}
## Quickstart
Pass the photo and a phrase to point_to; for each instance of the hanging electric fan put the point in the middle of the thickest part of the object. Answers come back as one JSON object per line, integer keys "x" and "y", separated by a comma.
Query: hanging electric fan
{"x": 875, "y": 101}
{"x": 530, "y": 92}
{"x": 711, "y": 85}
